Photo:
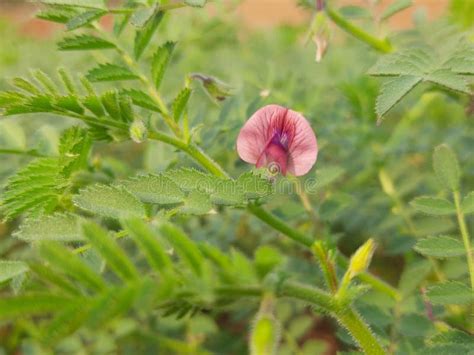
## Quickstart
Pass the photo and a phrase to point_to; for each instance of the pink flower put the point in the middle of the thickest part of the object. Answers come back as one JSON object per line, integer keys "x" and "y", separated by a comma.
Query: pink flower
{"x": 278, "y": 137}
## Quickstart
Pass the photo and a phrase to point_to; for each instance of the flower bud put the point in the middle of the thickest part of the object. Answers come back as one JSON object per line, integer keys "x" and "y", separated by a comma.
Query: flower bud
{"x": 360, "y": 260}
{"x": 265, "y": 335}
{"x": 319, "y": 34}
{"x": 138, "y": 131}
{"x": 215, "y": 88}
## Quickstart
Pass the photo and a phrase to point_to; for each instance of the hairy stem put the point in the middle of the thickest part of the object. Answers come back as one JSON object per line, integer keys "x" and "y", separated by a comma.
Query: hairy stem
{"x": 280, "y": 226}
{"x": 346, "y": 316}
{"x": 382, "y": 45}
{"x": 465, "y": 236}
{"x": 352, "y": 321}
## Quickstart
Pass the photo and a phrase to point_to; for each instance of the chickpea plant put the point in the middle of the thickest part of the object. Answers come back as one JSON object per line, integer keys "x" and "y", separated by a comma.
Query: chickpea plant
{"x": 104, "y": 252}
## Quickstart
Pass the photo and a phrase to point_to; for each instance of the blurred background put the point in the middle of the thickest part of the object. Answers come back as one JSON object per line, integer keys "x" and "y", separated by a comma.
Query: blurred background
{"x": 253, "y": 13}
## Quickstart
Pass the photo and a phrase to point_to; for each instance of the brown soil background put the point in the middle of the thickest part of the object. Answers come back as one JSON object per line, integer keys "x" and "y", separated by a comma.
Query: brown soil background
{"x": 255, "y": 14}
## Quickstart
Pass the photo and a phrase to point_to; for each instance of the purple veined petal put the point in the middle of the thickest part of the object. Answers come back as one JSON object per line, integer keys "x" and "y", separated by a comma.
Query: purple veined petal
{"x": 277, "y": 135}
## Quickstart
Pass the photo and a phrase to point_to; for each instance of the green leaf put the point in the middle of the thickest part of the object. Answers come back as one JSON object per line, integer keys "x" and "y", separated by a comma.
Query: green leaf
{"x": 109, "y": 201}
{"x": 441, "y": 247}
{"x": 468, "y": 203}
{"x": 453, "y": 336}
{"x": 451, "y": 292}
{"x": 57, "y": 14}
{"x": 84, "y": 19}
{"x": 67, "y": 321}
{"x": 55, "y": 278}
{"x": 196, "y": 203}
{"x": 59, "y": 226}
{"x": 67, "y": 81}
{"x": 8, "y": 98}
{"x": 11, "y": 268}
{"x": 94, "y": 4}
{"x": 394, "y": 8}
{"x": 195, "y": 3}
{"x": 74, "y": 145}
{"x": 446, "y": 167}
{"x": 94, "y": 105}
{"x": 463, "y": 66}
{"x": 433, "y": 206}
{"x": 67, "y": 103}
{"x": 110, "y": 72}
{"x": 186, "y": 249}
{"x": 154, "y": 189}
{"x": 62, "y": 259}
{"x": 31, "y": 304}
{"x": 110, "y": 305}
{"x": 393, "y": 91}
{"x": 449, "y": 80}
{"x": 139, "y": 98}
{"x": 26, "y": 86}
{"x": 108, "y": 248}
{"x": 148, "y": 243}
{"x": 142, "y": 15}
{"x": 45, "y": 81}
{"x": 189, "y": 179}
{"x": 266, "y": 259}
{"x": 110, "y": 101}
{"x": 413, "y": 275}
{"x": 35, "y": 189}
{"x": 126, "y": 109}
{"x": 253, "y": 186}
{"x": 180, "y": 102}
{"x": 84, "y": 42}
{"x": 160, "y": 61}
{"x": 143, "y": 35}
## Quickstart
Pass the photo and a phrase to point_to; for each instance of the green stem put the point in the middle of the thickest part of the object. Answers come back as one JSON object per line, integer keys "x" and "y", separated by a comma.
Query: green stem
{"x": 465, "y": 236}
{"x": 192, "y": 150}
{"x": 280, "y": 226}
{"x": 352, "y": 321}
{"x": 346, "y": 316}
{"x": 239, "y": 291}
{"x": 327, "y": 265}
{"x": 313, "y": 295}
{"x": 31, "y": 152}
{"x": 303, "y": 239}
{"x": 382, "y": 45}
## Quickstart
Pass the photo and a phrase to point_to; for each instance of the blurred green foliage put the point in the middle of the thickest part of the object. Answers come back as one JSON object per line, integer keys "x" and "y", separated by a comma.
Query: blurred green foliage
{"x": 377, "y": 171}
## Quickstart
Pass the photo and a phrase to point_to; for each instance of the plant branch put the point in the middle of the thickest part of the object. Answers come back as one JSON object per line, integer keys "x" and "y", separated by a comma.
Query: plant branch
{"x": 134, "y": 68}
{"x": 382, "y": 45}
{"x": 353, "y": 322}
{"x": 31, "y": 152}
{"x": 465, "y": 236}
{"x": 346, "y": 316}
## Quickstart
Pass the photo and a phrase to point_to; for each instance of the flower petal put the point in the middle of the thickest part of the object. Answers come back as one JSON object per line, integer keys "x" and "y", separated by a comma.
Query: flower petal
{"x": 256, "y": 133}
{"x": 303, "y": 150}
